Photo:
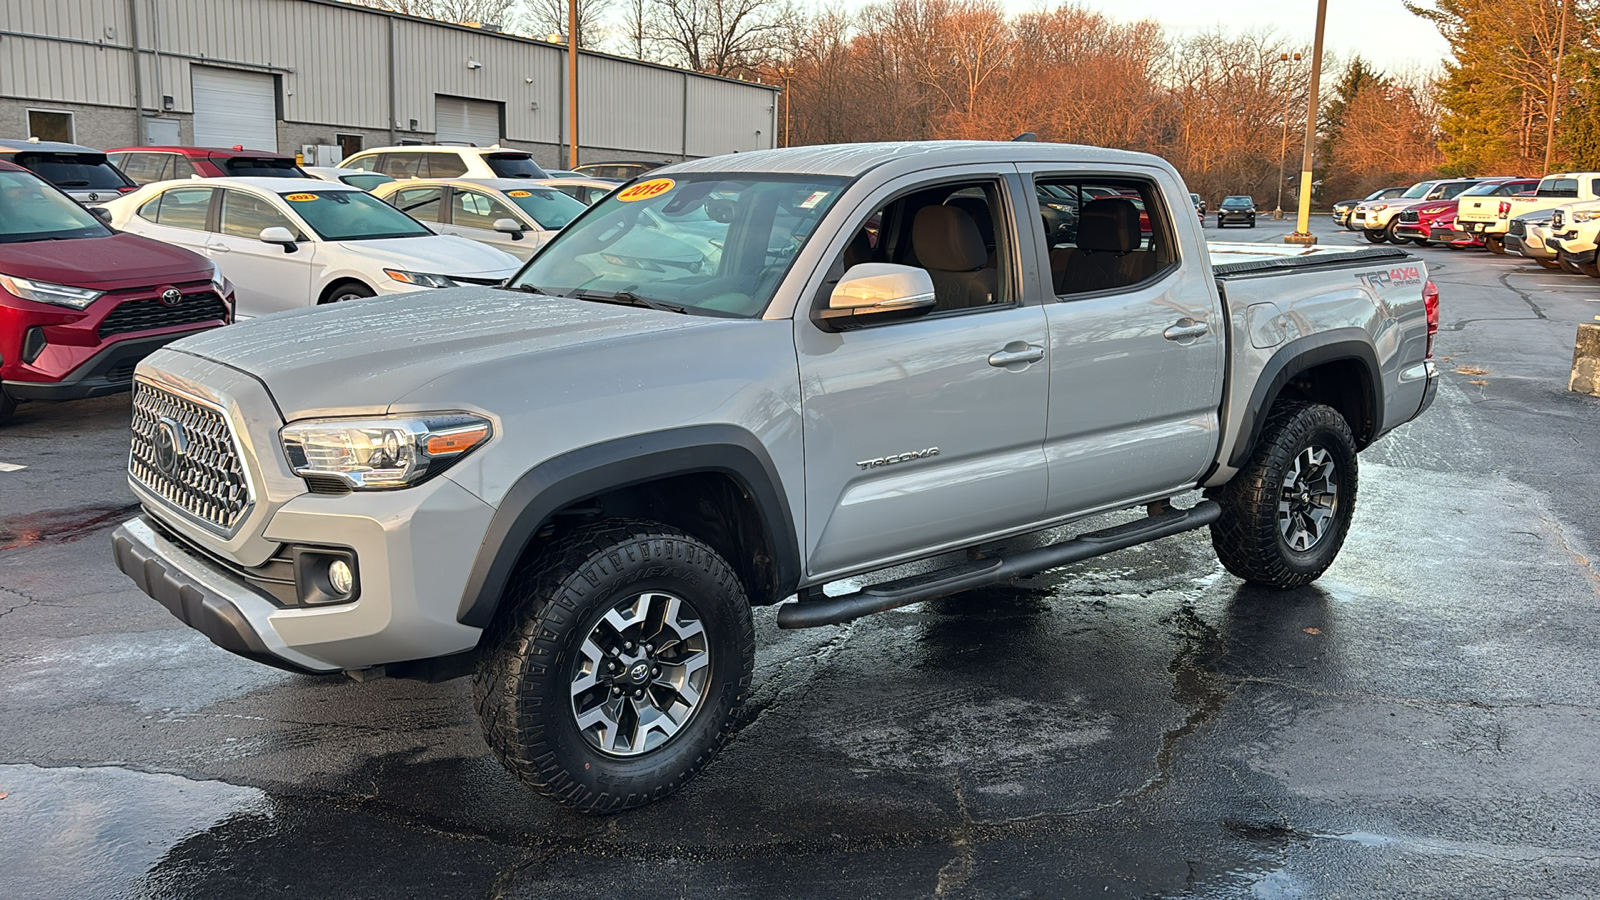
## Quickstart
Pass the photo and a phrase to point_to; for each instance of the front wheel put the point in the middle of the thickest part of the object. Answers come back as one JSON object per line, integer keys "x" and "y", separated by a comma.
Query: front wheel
{"x": 1375, "y": 237}
{"x": 617, "y": 667}
{"x": 1286, "y": 513}
{"x": 352, "y": 290}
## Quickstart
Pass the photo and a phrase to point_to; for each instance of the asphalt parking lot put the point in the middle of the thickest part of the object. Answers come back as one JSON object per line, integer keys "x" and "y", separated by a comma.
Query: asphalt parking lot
{"x": 1422, "y": 722}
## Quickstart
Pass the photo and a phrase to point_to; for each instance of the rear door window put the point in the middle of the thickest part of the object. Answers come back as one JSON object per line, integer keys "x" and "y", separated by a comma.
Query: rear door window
{"x": 445, "y": 165}
{"x": 403, "y": 165}
{"x": 180, "y": 208}
{"x": 144, "y": 168}
{"x": 182, "y": 168}
{"x": 1106, "y": 233}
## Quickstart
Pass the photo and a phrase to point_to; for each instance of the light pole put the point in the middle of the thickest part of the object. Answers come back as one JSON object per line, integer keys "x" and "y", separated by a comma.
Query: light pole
{"x": 1302, "y": 232}
{"x": 1555, "y": 88}
{"x": 572, "y": 83}
{"x": 1283, "y": 147}
{"x": 787, "y": 74}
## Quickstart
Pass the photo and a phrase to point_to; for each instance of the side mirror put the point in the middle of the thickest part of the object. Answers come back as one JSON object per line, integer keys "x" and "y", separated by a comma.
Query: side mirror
{"x": 509, "y": 226}
{"x": 101, "y": 213}
{"x": 878, "y": 288}
{"x": 277, "y": 234}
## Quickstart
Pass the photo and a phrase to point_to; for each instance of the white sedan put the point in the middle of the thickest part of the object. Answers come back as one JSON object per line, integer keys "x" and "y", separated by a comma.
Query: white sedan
{"x": 292, "y": 242}
{"x": 517, "y": 215}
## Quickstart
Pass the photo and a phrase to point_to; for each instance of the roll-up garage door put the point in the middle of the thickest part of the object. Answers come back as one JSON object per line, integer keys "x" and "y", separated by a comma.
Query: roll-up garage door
{"x": 472, "y": 121}
{"x": 235, "y": 108}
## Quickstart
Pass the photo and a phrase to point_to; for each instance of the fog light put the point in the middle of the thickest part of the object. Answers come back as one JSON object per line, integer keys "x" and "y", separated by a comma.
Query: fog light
{"x": 340, "y": 578}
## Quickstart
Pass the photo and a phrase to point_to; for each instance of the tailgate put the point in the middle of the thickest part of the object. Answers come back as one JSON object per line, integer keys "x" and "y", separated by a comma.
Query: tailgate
{"x": 1475, "y": 210}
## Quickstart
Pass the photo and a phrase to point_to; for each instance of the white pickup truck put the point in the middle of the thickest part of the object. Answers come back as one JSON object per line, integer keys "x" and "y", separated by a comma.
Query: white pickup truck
{"x": 1490, "y": 217}
{"x": 734, "y": 382}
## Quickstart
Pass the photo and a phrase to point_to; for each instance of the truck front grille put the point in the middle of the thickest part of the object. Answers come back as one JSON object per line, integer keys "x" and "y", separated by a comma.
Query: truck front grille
{"x": 184, "y": 453}
{"x": 1518, "y": 227}
{"x": 1410, "y": 217}
{"x": 146, "y": 315}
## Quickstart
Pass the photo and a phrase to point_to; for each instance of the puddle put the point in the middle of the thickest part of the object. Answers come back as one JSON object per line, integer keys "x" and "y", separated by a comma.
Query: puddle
{"x": 60, "y": 526}
{"x": 91, "y": 833}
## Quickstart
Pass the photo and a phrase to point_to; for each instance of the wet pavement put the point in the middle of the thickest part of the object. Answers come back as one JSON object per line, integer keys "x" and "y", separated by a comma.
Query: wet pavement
{"x": 1422, "y": 722}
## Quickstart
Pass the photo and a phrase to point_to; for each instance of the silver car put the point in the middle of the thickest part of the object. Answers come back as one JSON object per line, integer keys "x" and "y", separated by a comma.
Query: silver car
{"x": 509, "y": 214}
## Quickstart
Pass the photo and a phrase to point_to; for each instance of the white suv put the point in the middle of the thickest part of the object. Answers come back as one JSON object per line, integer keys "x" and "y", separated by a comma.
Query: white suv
{"x": 446, "y": 161}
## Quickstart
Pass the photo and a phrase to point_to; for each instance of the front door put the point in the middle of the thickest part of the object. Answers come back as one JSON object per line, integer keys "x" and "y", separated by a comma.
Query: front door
{"x": 1136, "y": 339}
{"x": 266, "y": 278}
{"x": 473, "y": 214}
{"x": 917, "y": 434}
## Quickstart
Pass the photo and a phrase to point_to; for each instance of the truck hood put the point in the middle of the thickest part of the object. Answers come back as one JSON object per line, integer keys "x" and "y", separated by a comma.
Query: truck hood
{"x": 440, "y": 254}
{"x": 359, "y": 358}
{"x": 119, "y": 261}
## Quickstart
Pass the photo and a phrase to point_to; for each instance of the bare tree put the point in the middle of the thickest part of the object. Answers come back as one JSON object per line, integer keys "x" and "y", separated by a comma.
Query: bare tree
{"x": 486, "y": 12}
{"x": 720, "y": 37}
{"x": 545, "y": 17}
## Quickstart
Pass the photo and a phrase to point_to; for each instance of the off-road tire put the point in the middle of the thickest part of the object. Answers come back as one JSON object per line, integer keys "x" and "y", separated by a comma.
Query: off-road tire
{"x": 1247, "y": 537}
{"x": 522, "y": 689}
{"x": 1496, "y": 245}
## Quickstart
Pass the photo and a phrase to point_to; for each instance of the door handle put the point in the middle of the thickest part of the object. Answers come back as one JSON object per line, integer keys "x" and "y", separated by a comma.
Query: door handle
{"x": 1186, "y": 329}
{"x": 1016, "y": 353}
{"x": 218, "y": 248}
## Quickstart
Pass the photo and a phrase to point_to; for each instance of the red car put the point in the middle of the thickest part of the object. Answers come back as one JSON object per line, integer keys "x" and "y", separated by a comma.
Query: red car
{"x": 147, "y": 164}
{"x": 80, "y": 303}
{"x": 1420, "y": 223}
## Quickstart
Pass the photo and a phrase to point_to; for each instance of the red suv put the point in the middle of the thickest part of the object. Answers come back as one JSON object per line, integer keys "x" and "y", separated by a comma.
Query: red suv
{"x": 147, "y": 164}
{"x": 80, "y": 303}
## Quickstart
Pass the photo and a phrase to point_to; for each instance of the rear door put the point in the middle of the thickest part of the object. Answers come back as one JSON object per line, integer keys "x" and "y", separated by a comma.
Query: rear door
{"x": 266, "y": 277}
{"x": 179, "y": 216}
{"x": 1136, "y": 342}
{"x": 928, "y": 431}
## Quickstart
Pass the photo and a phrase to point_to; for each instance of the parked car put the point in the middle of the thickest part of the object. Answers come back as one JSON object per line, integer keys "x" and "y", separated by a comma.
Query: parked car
{"x": 576, "y": 487}
{"x": 150, "y": 164}
{"x": 1574, "y": 235}
{"x": 1528, "y": 237}
{"x": 353, "y": 177}
{"x": 619, "y": 170}
{"x": 1199, "y": 205}
{"x": 1237, "y": 208}
{"x": 83, "y": 172}
{"x": 584, "y": 190}
{"x": 81, "y": 304}
{"x": 446, "y": 161}
{"x": 1416, "y": 222}
{"x": 1342, "y": 209}
{"x": 1378, "y": 220}
{"x": 292, "y": 242}
{"x": 563, "y": 173}
{"x": 1490, "y": 217}
{"x": 1442, "y": 229}
{"x": 509, "y": 214}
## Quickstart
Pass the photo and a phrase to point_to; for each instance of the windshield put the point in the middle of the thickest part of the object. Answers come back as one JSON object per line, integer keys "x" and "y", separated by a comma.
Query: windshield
{"x": 31, "y": 211}
{"x": 714, "y": 244}
{"x": 1418, "y": 191}
{"x": 365, "y": 180}
{"x": 255, "y": 167}
{"x": 1558, "y": 187}
{"x": 514, "y": 165}
{"x": 550, "y": 208}
{"x": 352, "y": 216}
{"x": 74, "y": 171}
{"x": 1483, "y": 190}
{"x": 1238, "y": 201}
{"x": 1451, "y": 190}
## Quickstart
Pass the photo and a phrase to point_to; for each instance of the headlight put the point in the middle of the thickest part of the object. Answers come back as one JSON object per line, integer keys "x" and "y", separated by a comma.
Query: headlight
{"x": 1434, "y": 210}
{"x": 421, "y": 279}
{"x": 384, "y": 453}
{"x": 1585, "y": 215}
{"x": 53, "y": 294}
{"x": 1377, "y": 207}
{"x": 219, "y": 281}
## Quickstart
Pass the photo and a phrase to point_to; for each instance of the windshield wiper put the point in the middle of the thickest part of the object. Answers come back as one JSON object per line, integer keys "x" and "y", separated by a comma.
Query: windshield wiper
{"x": 531, "y": 289}
{"x": 627, "y": 298}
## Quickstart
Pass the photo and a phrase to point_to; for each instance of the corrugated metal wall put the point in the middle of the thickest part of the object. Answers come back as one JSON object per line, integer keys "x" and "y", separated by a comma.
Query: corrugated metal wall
{"x": 333, "y": 63}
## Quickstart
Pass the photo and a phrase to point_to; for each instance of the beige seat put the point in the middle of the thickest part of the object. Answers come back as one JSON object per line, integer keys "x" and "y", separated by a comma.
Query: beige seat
{"x": 949, "y": 246}
{"x": 1107, "y": 255}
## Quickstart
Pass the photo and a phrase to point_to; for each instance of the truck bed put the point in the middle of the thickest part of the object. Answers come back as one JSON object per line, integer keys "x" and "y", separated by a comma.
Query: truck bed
{"x": 1253, "y": 259}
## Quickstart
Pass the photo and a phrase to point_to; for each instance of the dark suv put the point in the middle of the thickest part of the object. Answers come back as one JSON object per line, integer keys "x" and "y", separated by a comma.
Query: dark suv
{"x": 147, "y": 164}
{"x": 81, "y": 304}
{"x": 83, "y": 172}
{"x": 1237, "y": 208}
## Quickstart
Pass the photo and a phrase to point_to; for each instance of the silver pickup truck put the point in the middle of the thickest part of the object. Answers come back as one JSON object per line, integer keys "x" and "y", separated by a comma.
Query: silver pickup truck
{"x": 733, "y": 382}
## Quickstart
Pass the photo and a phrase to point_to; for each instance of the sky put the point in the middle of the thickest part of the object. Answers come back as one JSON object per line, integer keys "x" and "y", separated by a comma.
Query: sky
{"x": 1382, "y": 31}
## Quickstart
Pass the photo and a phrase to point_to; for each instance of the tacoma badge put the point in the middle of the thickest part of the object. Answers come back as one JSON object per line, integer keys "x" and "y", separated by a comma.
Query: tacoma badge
{"x": 898, "y": 458}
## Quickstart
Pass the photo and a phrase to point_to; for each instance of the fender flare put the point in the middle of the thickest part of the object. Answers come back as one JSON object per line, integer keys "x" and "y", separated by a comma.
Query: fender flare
{"x": 1296, "y": 357}
{"x": 612, "y": 465}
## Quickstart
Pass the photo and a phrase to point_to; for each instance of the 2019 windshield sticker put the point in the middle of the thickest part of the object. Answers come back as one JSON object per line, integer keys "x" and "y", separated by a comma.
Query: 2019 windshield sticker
{"x": 646, "y": 190}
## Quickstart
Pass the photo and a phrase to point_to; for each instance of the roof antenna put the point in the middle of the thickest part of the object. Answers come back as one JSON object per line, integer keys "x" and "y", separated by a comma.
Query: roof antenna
{"x": 1027, "y": 137}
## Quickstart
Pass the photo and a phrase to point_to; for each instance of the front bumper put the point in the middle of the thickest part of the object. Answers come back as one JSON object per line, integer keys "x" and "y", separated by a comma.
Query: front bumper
{"x": 1430, "y": 389}
{"x": 1411, "y": 230}
{"x": 1453, "y": 236}
{"x": 414, "y": 549}
{"x": 109, "y": 371}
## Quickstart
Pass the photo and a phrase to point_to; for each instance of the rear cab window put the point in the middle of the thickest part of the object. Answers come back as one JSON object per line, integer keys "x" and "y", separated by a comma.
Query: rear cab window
{"x": 1558, "y": 187}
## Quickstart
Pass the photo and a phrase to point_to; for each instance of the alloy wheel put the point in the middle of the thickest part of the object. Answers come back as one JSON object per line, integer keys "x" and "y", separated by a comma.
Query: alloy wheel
{"x": 1309, "y": 500}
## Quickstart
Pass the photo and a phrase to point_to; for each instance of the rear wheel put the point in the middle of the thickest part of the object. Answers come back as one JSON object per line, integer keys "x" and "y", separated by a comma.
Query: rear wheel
{"x": 618, "y": 667}
{"x": 1286, "y": 513}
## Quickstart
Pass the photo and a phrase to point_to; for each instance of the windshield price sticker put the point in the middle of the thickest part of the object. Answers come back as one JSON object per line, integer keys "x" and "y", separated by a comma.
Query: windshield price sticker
{"x": 299, "y": 198}
{"x": 518, "y": 194}
{"x": 646, "y": 190}
{"x": 815, "y": 198}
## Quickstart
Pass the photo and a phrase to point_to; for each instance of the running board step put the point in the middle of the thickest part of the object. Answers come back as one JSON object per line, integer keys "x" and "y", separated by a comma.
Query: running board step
{"x": 991, "y": 570}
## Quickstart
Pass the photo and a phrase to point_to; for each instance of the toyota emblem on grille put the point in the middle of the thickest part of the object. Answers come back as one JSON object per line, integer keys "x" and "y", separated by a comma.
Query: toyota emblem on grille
{"x": 171, "y": 445}
{"x": 171, "y": 297}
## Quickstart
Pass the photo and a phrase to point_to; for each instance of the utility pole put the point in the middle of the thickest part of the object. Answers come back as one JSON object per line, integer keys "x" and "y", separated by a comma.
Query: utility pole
{"x": 1283, "y": 147}
{"x": 1555, "y": 88}
{"x": 787, "y": 74}
{"x": 572, "y": 84}
{"x": 1302, "y": 232}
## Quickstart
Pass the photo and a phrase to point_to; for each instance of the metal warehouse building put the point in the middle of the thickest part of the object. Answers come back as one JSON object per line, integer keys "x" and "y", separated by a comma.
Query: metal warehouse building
{"x": 287, "y": 74}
